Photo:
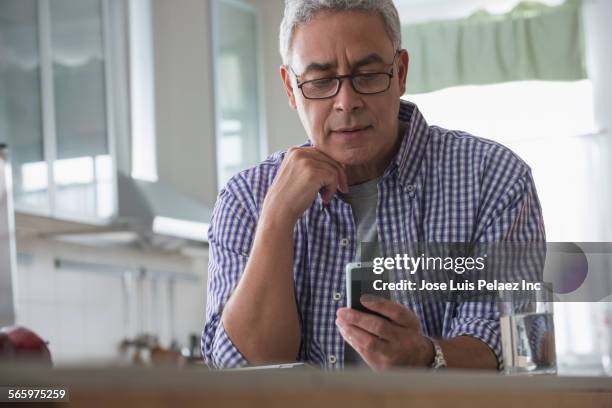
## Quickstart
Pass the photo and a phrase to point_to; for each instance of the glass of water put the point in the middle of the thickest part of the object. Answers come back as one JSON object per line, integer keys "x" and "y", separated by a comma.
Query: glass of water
{"x": 605, "y": 336}
{"x": 528, "y": 331}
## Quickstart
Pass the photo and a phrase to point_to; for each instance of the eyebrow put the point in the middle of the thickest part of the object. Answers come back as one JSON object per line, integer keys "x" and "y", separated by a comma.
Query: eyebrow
{"x": 322, "y": 67}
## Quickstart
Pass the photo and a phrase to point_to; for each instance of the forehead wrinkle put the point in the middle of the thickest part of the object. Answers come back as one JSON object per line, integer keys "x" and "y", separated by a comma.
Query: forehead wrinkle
{"x": 319, "y": 67}
{"x": 370, "y": 59}
{"x": 327, "y": 66}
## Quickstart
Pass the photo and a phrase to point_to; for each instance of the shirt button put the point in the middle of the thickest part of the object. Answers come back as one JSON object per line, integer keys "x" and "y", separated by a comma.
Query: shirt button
{"x": 332, "y": 359}
{"x": 410, "y": 188}
{"x": 344, "y": 242}
{"x": 337, "y": 296}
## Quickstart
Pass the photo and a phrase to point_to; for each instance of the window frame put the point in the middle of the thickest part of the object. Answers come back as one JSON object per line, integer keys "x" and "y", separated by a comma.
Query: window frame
{"x": 243, "y": 5}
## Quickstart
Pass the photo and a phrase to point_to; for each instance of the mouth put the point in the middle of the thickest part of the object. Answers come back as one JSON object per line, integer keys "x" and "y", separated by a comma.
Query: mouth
{"x": 351, "y": 132}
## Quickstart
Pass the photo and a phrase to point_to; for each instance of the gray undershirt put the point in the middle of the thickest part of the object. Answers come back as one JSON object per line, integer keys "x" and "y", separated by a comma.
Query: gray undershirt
{"x": 363, "y": 199}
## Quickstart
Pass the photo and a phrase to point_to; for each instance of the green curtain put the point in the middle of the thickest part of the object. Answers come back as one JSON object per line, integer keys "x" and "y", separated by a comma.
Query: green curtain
{"x": 531, "y": 42}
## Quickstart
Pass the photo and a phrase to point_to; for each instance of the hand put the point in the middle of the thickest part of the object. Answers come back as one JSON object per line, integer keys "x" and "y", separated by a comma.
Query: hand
{"x": 384, "y": 343}
{"x": 304, "y": 173}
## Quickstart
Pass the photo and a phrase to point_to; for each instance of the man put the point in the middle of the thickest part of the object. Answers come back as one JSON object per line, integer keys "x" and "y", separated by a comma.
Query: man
{"x": 283, "y": 231}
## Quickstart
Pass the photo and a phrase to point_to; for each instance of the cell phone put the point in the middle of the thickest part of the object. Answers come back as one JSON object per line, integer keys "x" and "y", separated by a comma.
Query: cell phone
{"x": 360, "y": 280}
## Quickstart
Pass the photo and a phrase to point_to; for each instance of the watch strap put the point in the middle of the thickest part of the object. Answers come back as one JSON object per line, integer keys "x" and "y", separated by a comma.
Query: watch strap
{"x": 439, "y": 360}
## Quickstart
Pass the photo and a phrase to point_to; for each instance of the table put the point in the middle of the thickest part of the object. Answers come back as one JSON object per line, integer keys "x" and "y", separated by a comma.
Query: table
{"x": 191, "y": 387}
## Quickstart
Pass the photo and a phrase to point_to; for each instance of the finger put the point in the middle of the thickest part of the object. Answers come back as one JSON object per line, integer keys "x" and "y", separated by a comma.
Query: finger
{"x": 365, "y": 343}
{"x": 370, "y": 359}
{"x": 327, "y": 177}
{"x": 320, "y": 173}
{"x": 341, "y": 177}
{"x": 328, "y": 184}
{"x": 344, "y": 187}
{"x": 346, "y": 336}
{"x": 327, "y": 194}
{"x": 394, "y": 311}
{"x": 313, "y": 154}
{"x": 374, "y": 325}
{"x": 339, "y": 167}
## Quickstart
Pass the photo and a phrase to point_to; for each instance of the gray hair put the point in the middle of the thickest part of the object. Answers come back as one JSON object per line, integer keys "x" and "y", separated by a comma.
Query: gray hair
{"x": 302, "y": 11}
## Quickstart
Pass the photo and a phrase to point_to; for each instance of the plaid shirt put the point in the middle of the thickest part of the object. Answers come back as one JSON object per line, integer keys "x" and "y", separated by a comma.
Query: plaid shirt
{"x": 442, "y": 186}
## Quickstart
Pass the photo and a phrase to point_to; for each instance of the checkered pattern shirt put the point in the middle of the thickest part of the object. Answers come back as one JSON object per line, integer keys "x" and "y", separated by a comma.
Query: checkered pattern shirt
{"x": 442, "y": 186}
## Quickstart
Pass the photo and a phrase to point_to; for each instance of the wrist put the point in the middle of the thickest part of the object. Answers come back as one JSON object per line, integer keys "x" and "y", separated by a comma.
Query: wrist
{"x": 276, "y": 219}
{"x": 278, "y": 211}
{"x": 428, "y": 354}
{"x": 439, "y": 361}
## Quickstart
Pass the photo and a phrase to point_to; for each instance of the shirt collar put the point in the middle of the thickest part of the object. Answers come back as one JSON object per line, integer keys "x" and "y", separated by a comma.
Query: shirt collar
{"x": 408, "y": 159}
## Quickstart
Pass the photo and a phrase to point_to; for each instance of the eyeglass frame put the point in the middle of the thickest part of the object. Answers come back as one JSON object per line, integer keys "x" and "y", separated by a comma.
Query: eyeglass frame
{"x": 339, "y": 78}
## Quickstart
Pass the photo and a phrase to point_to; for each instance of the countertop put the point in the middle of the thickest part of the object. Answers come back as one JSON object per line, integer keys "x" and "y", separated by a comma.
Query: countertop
{"x": 198, "y": 387}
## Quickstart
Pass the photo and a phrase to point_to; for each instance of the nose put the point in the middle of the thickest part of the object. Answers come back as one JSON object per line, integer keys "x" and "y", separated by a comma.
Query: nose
{"x": 347, "y": 100}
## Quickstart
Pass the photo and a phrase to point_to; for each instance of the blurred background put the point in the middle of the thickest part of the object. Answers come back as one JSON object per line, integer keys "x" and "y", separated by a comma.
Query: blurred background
{"x": 124, "y": 118}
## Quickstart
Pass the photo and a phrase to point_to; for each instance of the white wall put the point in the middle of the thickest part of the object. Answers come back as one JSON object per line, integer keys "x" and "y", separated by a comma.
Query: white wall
{"x": 598, "y": 30}
{"x": 284, "y": 127}
{"x": 184, "y": 97}
{"x": 597, "y": 16}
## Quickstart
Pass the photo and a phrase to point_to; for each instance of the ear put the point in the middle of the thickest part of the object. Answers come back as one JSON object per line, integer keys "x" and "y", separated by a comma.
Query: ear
{"x": 402, "y": 70}
{"x": 286, "y": 78}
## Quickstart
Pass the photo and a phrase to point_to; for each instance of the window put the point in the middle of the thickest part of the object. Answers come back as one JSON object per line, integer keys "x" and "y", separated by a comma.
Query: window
{"x": 551, "y": 126}
{"x": 20, "y": 101}
{"x": 531, "y": 117}
{"x": 237, "y": 87}
{"x": 54, "y": 106}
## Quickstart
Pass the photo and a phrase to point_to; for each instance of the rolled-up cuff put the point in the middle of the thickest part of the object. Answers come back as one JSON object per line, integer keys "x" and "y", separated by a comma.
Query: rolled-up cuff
{"x": 225, "y": 354}
{"x": 487, "y": 331}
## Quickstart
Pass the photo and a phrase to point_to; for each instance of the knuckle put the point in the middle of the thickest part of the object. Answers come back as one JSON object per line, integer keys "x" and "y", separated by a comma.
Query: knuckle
{"x": 378, "y": 326}
{"x": 398, "y": 316}
{"x": 402, "y": 314}
{"x": 290, "y": 154}
{"x": 369, "y": 345}
{"x": 295, "y": 153}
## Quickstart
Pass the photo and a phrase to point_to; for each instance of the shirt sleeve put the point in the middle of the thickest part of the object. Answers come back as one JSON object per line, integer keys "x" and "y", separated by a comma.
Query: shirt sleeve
{"x": 479, "y": 320}
{"x": 230, "y": 236}
{"x": 511, "y": 213}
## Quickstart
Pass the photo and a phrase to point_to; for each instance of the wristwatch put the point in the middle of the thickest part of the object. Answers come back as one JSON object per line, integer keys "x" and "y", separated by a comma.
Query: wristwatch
{"x": 439, "y": 361}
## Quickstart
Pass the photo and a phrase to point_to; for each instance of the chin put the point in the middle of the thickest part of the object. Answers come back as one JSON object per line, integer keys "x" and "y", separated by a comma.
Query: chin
{"x": 352, "y": 157}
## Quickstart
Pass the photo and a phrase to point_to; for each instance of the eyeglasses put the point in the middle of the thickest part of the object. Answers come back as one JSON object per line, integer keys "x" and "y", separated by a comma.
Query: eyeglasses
{"x": 366, "y": 83}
